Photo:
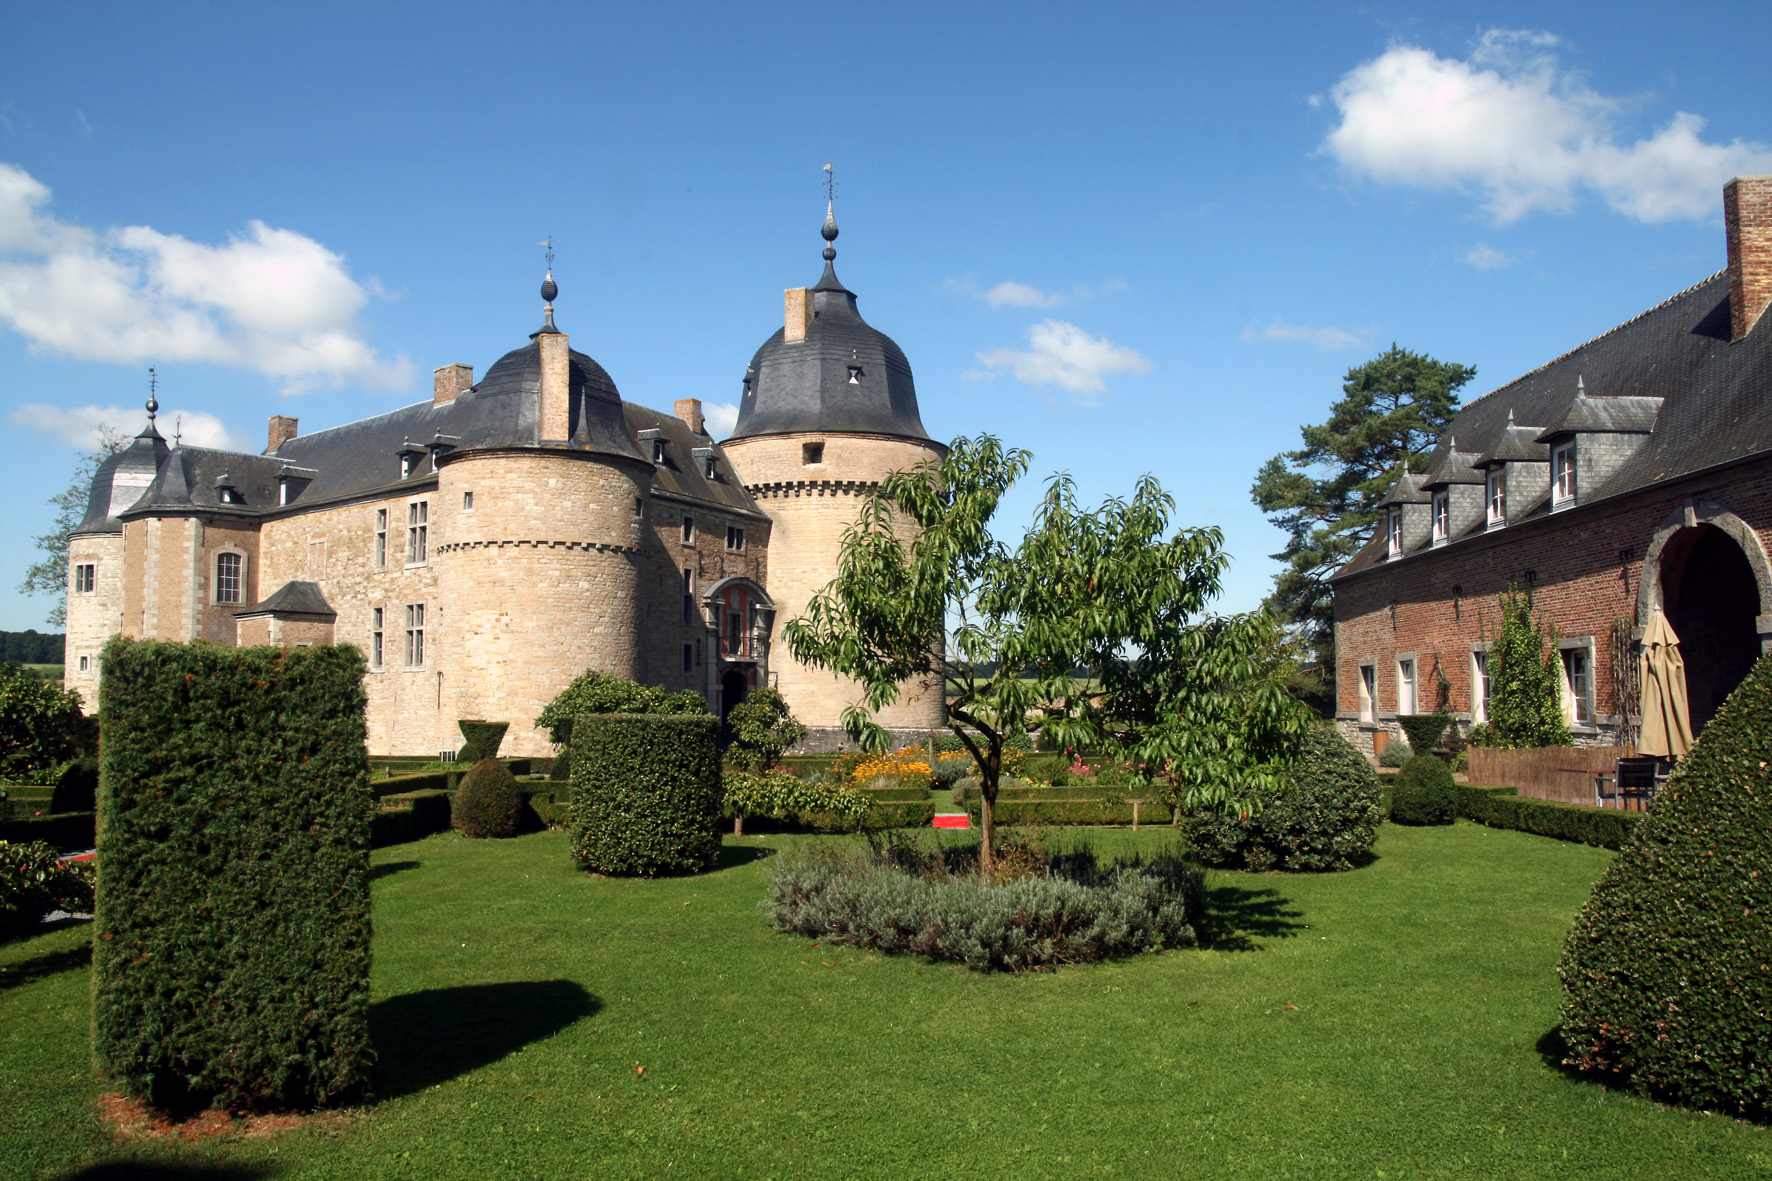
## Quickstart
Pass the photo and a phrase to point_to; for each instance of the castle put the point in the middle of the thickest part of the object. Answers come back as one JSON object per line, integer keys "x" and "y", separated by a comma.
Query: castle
{"x": 485, "y": 547}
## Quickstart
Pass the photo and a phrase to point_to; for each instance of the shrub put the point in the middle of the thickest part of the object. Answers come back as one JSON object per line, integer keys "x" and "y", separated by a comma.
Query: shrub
{"x": 781, "y": 795}
{"x": 1665, "y": 980}
{"x": 1501, "y": 807}
{"x": 950, "y": 767}
{"x": 410, "y": 816}
{"x": 34, "y": 881}
{"x": 645, "y": 793}
{"x": 1424, "y": 730}
{"x": 487, "y": 804}
{"x": 1051, "y": 910}
{"x": 596, "y": 692}
{"x": 77, "y": 788}
{"x": 762, "y": 727}
{"x": 1424, "y": 793}
{"x": 484, "y": 739}
{"x": 1395, "y": 754}
{"x": 40, "y": 725}
{"x": 561, "y": 769}
{"x": 231, "y": 946}
{"x": 1325, "y": 818}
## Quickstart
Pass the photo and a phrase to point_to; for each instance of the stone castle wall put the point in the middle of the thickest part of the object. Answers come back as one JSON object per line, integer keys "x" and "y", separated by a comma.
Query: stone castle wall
{"x": 94, "y": 616}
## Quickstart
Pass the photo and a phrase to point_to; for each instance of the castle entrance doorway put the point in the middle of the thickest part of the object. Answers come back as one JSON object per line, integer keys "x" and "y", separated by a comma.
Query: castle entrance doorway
{"x": 1712, "y": 600}
{"x": 734, "y": 687}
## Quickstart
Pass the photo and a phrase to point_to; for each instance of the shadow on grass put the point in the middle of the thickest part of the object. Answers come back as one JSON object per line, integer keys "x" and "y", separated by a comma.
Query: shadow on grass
{"x": 428, "y": 1037}
{"x": 127, "y": 1170}
{"x": 733, "y": 856}
{"x": 1235, "y": 918}
{"x": 50, "y": 963}
{"x": 388, "y": 869}
{"x": 1553, "y": 1051}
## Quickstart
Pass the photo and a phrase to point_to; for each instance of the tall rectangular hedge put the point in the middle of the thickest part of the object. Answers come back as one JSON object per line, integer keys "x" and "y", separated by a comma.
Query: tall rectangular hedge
{"x": 646, "y": 793}
{"x": 231, "y": 953}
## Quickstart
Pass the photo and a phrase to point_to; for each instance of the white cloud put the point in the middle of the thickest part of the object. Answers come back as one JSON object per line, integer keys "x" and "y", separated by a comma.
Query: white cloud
{"x": 1019, "y": 295}
{"x": 1510, "y": 123}
{"x": 270, "y": 300}
{"x": 1064, "y": 355}
{"x": 1327, "y": 338}
{"x": 721, "y": 418}
{"x": 78, "y": 426}
{"x": 1486, "y": 258}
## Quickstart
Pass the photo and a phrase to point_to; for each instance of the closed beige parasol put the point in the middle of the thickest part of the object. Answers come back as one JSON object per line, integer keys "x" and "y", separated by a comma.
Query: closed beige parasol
{"x": 1667, "y": 726}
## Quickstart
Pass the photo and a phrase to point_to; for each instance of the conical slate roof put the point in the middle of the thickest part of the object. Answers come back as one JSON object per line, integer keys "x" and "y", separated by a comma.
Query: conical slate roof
{"x": 121, "y": 480}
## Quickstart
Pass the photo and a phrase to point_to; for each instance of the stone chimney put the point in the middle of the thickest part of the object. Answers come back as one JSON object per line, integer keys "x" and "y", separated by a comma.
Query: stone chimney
{"x": 556, "y": 387}
{"x": 797, "y": 306}
{"x": 689, "y": 410}
{"x": 1747, "y": 218}
{"x": 450, "y": 383}
{"x": 282, "y": 430}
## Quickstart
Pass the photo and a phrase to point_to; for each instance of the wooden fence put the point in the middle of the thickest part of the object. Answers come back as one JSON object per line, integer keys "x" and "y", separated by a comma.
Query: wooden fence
{"x": 1562, "y": 773}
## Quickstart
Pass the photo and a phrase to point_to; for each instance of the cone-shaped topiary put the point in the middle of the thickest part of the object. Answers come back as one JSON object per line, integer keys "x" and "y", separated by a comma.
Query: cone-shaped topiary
{"x": 484, "y": 739}
{"x": 487, "y": 804}
{"x": 1666, "y": 984}
{"x": 1424, "y": 793}
{"x": 1424, "y": 730}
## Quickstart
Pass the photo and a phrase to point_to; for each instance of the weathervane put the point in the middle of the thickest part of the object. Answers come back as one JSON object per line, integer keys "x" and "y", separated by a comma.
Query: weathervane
{"x": 178, "y": 429}
{"x": 829, "y": 230}
{"x": 548, "y": 243}
{"x": 153, "y": 392}
{"x": 830, "y": 183}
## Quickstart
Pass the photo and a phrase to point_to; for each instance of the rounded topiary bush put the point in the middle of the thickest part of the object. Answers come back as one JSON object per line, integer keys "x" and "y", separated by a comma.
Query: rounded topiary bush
{"x": 1424, "y": 793}
{"x": 1325, "y": 818}
{"x": 646, "y": 793}
{"x": 1666, "y": 987}
{"x": 487, "y": 802}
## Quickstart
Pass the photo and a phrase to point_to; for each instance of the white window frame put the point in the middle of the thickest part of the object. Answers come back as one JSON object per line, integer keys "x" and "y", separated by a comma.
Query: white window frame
{"x": 1408, "y": 684}
{"x": 1578, "y": 701}
{"x": 1480, "y": 685}
{"x": 377, "y": 636}
{"x": 1495, "y": 497}
{"x": 467, "y": 501}
{"x": 418, "y": 532}
{"x": 381, "y": 538}
{"x": 85, "y": 664}
{"x": 1368, "y": 688}
{"x": 85, "y": 578}
{"x": 1441, "y": 512}
{"x": 1393, "y": 529}
{"x": 1563, "y": 474}
{"x": 317, "y": 559}
{"x": 215, "y": 591}
{"x": 415, "y": 635}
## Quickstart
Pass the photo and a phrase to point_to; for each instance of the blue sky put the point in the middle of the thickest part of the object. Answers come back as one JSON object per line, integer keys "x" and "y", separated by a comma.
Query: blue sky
{"x": 1129, "y": 238}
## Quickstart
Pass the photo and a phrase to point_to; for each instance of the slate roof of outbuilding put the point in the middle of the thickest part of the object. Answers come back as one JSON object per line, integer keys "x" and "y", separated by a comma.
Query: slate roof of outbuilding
{"x": 1716, "y": 396}
{"x": 293, "y": 598}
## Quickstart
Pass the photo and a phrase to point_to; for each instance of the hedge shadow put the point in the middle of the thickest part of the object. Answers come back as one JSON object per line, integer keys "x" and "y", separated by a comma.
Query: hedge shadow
{"x": 1235, "y": 918}
{"x": 431, "y": 1036}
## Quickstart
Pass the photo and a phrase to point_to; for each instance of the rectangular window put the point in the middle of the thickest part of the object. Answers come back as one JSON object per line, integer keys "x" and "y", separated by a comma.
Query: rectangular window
{"x": 1578, "y": 687}
{"x": 1563, "y": 474}
{"x": 734, "y": 538}
{"x": 86, "y": 664}
{"x": 376, "y": 621}
{"x": 381, "y": 537}
{"x": 1405, "y": 687}
{"x": 1368, "y": 693}
{"x": 415, "y": 634}
{"x": 227, "y": 578}
{"x": 688, "y": 657}
{"x": 1496, "y": 488}
{"x": 688, "y": 596}
{"x": 735, "y": 637}
{"x": 1479, "y": 686}
{"x": 418, "y": 515}
{"x": 688, "y": 529}
{"x": 282, "y": 491}
{"x": 407, "y": 464}
{"x": 467, "y": 502}
{"x": 811, "y": 453}
{"x": 1442, "y": 516}
{"x": 639, "y": 506}
{"x": 85, "y": 578}
{"x": 316, "y": 561}
{"x": 1394, "y": 527}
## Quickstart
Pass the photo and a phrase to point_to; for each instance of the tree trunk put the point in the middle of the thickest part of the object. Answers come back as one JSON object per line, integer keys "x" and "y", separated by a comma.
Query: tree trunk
{"x": 738, "y": 824}
{"x": 987, "y": 809}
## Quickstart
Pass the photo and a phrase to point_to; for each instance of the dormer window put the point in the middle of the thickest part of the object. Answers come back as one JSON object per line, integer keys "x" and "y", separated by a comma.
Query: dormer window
{"x": 709, "y": 467}
{"x": 855, "y": 375}
{"x": 1495, "y": 485}
{"x": 1442, "y": 514}
{"x": 1394, "y": 527}
{"x": 411, "y": 456}
{"x": 654, "y": 440}
{"x": 1563, "y": 475}
{"x": 407, "y": 464}
{"x": 226, "y": 492}
{"x": 658, "y": 452}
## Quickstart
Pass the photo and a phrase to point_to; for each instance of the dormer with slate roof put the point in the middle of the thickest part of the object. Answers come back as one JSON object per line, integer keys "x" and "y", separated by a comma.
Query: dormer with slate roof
{"x": 1592, "y": 440}
{"x": 1516, "y": 468}
{"x": 1455, "y": 488}
{"x": 1403, "y": 516}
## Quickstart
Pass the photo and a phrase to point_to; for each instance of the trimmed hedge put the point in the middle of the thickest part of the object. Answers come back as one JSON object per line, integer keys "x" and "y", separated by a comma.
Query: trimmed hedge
{"x": 487, "y": 804}
{"x": 1325, "y": 819}
{"x": 410, "y": 817}
{"x": 404, "y": 784}
{"x": 646, "y": 793}
{"x": 1424, "y": 792}
{"x": 484, "y": 739}
{"x": 231, "y": 947}
{"x": 1424, "y": 730}
{"x": 897, "y": 795}
{"x": 1666, "y": 983}
{"x": 1069, "y": 811}
{"x": 1502, "y": 807}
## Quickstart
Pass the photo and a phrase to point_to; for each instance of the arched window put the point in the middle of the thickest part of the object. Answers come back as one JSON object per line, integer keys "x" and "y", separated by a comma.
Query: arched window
{"x": 228, "y": 568}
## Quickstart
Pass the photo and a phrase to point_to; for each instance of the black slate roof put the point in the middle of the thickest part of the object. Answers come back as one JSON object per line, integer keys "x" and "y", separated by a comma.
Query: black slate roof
{"x": 1716, "y": 396}
{"x": 683, "y": 473}
{"x": 121, "y": 480}
{"x": 292, "y": 598}
{"x": 812, "y": 384}
{"x": 1455, "y": 467}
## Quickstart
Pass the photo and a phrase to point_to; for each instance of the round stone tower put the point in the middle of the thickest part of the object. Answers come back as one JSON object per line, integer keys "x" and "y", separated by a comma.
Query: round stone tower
{"x": 828, "y": 410}
{"x": 540, "y": 503}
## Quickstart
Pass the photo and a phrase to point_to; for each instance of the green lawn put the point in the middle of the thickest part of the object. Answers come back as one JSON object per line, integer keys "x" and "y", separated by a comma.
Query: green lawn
{"x": 1382, "y": 1023}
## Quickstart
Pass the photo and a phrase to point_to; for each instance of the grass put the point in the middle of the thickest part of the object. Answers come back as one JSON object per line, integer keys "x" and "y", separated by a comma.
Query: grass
{"x": 1389, "y": 1022}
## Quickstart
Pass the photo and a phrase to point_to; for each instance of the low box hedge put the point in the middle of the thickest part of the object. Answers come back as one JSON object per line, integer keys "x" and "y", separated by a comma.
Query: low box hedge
{"x": 410, "y": 816}
{"x": 1071, "y": 811}
{"x": 1503, "y": 807}
{"x": 404, "y": 784}
{"x": 65, "y": 830}
{"x": 898, "y": 795}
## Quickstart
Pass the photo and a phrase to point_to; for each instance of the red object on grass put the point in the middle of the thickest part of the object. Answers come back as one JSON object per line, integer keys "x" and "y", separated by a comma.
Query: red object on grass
{"x": 952, "y": 820}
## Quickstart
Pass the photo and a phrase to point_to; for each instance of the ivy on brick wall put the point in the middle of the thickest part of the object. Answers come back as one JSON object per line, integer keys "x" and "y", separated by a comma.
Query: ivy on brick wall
{"x": 1525, "y": 680}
